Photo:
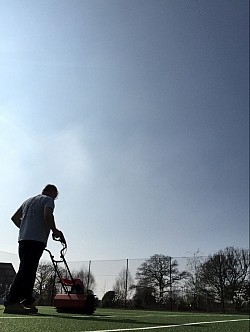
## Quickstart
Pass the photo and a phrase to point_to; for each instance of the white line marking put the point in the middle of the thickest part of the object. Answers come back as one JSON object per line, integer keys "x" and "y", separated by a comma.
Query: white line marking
{"x": 169, "y": 326}
{"x": 22, "y": 317}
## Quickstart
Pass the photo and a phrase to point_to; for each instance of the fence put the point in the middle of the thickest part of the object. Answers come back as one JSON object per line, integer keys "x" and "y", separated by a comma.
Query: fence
{"x": 107, "y": 273}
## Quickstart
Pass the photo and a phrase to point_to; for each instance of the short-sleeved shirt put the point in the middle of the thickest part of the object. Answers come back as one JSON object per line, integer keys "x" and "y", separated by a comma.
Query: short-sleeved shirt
{"x": 33, "y": 226}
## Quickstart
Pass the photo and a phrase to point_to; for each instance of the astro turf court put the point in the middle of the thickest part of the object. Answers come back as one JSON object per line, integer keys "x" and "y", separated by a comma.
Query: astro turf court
{"x": 48, "y": 320}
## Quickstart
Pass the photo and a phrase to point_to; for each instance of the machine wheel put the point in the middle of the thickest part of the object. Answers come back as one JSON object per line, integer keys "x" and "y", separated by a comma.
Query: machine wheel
{"x": 90, "y": 305}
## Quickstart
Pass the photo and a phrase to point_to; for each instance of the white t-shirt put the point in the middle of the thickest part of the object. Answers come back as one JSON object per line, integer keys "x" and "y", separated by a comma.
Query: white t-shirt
{"x": 33, "y": 226}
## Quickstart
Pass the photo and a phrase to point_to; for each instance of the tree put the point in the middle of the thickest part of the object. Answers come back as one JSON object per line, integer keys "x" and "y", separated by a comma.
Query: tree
{"x": 159, "y": 272}
{"x": 44, "y": 283}
{"x": 87, "y": 278}
{"x": 225, "y": 273}
{"x": 123, "y": 286}
{"x": 109, "y": 299}
{"x": 242, "y": 298}
{"x": 143, "y": 297}
{"x": 193, "y": 283}
{"x": 237, "y": 270}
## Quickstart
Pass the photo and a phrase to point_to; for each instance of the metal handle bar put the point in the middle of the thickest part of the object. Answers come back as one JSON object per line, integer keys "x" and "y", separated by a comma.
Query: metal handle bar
{"x": 61, "y": 238}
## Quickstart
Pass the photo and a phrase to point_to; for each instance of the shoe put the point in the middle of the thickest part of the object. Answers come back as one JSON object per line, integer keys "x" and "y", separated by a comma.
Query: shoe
{"x": 30, "y": 305}
{"x": 17, "y": 308}
{"x": 32, "y": 308}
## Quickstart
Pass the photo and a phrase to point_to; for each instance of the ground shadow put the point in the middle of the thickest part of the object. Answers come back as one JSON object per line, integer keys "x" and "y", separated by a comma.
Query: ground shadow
{"x": 107, "y": 319}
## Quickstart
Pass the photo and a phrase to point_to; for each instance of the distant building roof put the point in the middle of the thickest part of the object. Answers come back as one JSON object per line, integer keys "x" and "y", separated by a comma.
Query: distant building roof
{"x": 7, "y": 272}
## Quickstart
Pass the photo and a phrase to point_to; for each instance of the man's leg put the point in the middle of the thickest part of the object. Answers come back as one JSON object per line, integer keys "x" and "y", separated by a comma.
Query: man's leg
{"x": 30, "y": 253}
{"x": 33, "y": 253}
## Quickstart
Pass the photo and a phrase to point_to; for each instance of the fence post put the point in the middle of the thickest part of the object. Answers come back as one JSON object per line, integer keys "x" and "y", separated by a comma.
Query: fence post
{"x": 88, "y": 277}
{"x": 126, "y": 286}
{"x": 170, "y": 276}
{"x": 222, "y": 284}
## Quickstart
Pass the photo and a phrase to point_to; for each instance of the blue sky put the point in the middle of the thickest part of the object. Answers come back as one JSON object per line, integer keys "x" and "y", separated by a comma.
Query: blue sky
{"x": 138, "y": 112}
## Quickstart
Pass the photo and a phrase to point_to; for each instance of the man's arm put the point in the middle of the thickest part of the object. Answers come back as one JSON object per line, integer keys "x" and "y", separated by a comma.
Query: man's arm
{"x": 49, "y": 219}
{"x": 16, "y": 218}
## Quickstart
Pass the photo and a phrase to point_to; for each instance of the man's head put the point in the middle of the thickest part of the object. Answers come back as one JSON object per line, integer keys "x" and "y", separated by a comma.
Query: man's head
{"x": 50, "y": 190}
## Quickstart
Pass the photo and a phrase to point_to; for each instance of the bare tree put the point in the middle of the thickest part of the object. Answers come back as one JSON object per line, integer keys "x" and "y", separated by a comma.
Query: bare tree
{"x": 193, "y": 283}
{"x": 44, "y": 285}
{"x": 87, "y": 278}
{"x": 123, "y": 286}
{"x": 238, "y": 271}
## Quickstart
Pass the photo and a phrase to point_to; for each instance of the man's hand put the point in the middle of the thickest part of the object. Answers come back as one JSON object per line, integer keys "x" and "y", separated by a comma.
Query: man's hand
{"x": 56, "y": 233}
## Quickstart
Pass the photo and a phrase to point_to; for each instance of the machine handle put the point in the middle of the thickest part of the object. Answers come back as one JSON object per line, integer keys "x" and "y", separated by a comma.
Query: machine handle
{"x": 61, "y": 238}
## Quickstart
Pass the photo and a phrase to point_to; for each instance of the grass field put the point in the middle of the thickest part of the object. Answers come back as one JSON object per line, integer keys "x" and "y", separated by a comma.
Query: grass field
{"x": 48, "y": 320}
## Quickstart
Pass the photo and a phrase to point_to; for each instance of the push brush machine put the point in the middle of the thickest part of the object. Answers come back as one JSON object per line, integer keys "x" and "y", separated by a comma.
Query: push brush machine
{"x": 75, "y": 298}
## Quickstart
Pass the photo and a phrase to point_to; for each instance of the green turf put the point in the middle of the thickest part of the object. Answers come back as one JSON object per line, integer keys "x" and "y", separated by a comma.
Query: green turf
{"x": 48, "y": 320}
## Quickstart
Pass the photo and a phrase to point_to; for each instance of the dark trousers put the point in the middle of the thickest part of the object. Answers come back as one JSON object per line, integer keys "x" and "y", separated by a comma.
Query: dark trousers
{"x": 30, "y": 253}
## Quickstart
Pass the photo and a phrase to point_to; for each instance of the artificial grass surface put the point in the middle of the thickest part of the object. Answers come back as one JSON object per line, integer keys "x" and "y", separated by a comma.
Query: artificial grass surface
{"x": 48, "y": 320}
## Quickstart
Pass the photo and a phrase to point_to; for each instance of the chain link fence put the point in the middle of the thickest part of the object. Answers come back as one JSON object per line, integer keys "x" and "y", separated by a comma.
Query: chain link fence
{"x": 105, "y": 272}
{"x": 112, "y": 275}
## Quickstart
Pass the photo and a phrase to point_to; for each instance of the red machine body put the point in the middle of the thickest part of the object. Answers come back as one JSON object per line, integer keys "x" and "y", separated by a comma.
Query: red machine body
{"x": 74, "y": 297}
{"x": 70, "y": 300}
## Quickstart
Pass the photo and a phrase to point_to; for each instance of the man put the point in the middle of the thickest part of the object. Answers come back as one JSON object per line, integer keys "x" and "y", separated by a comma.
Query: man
{"x": 35, "y": 220}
